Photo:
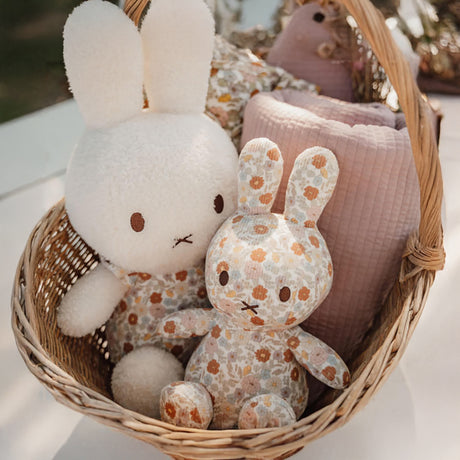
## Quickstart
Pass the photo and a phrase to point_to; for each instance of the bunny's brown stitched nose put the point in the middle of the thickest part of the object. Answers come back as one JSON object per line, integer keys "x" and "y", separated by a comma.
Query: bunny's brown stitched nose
{"x": 183, "y": 240}
{"x": 249, "y": 307}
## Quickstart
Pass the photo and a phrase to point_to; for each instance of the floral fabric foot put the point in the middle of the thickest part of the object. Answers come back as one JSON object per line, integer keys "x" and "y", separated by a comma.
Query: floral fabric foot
{"x": 186, "y": 404}
{"x": 266, "y": 411}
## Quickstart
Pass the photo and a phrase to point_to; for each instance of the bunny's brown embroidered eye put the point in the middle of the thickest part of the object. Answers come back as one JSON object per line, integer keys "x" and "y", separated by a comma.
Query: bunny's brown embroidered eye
{"x": 137, "y": 222}
{"x": 223, "y": 278}
{"x": 219, "y": 204}
{"x": 285, "y": 294}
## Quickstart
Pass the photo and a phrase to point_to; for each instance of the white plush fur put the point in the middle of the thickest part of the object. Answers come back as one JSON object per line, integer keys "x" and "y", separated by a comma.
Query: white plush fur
{"x": 168, "y": 167}
{"x": 90, "y": 302}
{"x": 139, "y": 377}
{"x": 177, "y": 65}
{"x": 104, "y": 63}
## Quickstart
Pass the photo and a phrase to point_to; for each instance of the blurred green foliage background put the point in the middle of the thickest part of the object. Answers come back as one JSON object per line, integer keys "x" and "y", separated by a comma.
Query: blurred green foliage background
{"x": 31, "y": 64}
{"x": 32, "y": 69}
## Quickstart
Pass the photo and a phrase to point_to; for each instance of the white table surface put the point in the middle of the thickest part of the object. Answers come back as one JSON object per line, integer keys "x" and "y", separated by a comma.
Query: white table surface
{"x": 415, "y": 415}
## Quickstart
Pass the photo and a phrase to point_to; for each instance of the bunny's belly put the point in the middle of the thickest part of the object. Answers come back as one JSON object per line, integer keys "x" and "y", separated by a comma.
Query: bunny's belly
{"x": 235, "y": 365}
{"x": 148, "y": 300}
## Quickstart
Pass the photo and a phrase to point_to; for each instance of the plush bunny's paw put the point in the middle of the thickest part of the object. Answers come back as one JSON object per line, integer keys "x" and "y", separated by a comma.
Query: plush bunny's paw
{"x": 186, "y": 404}
{"x": 90, "y": 302}
{"x": 265, "y": 411}
{"x": 138, "y": 378}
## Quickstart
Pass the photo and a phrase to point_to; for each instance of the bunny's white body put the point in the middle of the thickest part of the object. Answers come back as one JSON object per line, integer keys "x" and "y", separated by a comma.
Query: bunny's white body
{"x": 146, "y": 188}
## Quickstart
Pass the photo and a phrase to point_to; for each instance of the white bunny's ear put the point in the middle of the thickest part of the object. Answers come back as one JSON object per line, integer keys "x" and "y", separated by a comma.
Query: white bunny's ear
{"x": 178, "y": 38}
{"x": 104, "y": 63}
{"x": 311, "y": 184}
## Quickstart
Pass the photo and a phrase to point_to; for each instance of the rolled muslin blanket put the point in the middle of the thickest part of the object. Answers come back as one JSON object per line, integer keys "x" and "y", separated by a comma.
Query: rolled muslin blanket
{"x": 374, "y": 209}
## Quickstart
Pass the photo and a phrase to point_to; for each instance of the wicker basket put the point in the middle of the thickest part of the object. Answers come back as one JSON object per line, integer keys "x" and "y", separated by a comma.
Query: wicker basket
{"x": 77, "y": 371}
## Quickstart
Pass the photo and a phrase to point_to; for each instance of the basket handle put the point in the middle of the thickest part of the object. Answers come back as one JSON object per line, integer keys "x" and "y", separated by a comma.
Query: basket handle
{"x": 425, "y": 249}
{"x": 134, "y": 9}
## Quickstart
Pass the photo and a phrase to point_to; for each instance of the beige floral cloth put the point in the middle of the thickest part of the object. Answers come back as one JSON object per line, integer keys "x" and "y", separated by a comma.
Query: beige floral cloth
{"x": 265, "y": 410}
{"x": 235, "y": 365}
{"x": 236, "y": 76}
{"x": 148, "y": 299}
{"x": 265, "y": 274}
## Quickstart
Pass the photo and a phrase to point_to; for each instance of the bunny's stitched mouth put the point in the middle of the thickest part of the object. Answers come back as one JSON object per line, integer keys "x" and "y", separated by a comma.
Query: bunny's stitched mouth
{"x": 249, "y": 307}
{"x": 182, "y": 240}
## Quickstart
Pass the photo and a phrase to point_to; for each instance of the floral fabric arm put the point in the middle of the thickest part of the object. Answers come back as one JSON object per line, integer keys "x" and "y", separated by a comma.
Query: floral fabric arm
{"x": 318, "y": 358}
{"x": 192, "y": 322}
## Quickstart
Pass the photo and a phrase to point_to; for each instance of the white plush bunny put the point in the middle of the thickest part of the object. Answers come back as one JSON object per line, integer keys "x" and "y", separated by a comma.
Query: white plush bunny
{"x": 147, "y": 189}
{"x": 265, "y": 274}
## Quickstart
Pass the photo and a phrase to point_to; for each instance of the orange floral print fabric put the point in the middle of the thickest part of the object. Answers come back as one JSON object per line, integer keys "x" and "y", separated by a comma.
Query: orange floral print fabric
{"x": 253, "y": 358}
{"x": 149, "y": 299}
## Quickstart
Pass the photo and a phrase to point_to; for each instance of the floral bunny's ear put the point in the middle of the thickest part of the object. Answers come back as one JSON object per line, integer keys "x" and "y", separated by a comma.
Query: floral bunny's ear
{"x": 311, "y": 185}
{"x": 260, "y": 171}
{"x": 178, "y": 37}
{"x": 104, "y": 63}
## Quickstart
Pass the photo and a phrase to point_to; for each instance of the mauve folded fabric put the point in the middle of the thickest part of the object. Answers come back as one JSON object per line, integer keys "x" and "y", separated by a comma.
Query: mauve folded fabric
{"x": 329, "y": 108}
{"x": 296, "y": 50}
{"x": 374, "y": 209}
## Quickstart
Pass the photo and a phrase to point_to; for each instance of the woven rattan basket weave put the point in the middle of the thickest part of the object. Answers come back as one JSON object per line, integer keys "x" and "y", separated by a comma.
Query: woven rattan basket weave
{"x": 77, "y": 371}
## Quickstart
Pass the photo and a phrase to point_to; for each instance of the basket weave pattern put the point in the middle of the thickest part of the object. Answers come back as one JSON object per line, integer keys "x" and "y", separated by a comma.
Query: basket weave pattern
{"x": 77, "y": 371}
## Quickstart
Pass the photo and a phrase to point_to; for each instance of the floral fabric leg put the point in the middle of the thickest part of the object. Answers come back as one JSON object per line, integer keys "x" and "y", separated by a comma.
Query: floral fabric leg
{"x": 265, "y": 411}
{"x": 186, "y": 404}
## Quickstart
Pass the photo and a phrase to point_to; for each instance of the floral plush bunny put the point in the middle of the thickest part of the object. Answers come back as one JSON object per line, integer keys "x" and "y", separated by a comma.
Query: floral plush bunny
{"x": 147, "y": 189}
{"x": 265, "y": 274}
